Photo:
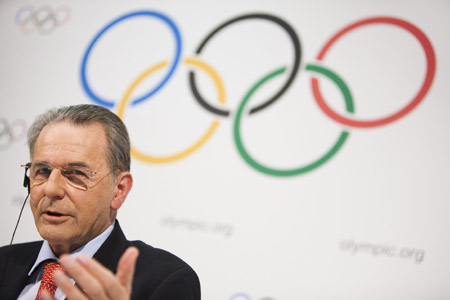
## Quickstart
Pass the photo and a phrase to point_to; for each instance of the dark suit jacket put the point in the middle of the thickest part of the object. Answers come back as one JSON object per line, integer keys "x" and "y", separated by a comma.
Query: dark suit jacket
{"x": 159, "y": 275}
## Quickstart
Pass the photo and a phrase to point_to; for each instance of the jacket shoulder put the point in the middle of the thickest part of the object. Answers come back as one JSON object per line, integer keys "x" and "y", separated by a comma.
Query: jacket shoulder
{"x": 152, "y": 255}
{"x": 163, "y": 275}
{"x": 20, "y": 250}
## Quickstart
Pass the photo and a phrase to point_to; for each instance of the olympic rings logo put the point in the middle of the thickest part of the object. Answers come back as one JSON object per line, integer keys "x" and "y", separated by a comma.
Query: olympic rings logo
{"x": 198, "y": 64}
{"x": 11, "y": 132}
{"x": 44, "y": 18}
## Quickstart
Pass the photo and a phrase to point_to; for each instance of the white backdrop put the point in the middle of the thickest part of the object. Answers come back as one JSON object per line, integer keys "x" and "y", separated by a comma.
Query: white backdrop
{"x": 363, "y": 218}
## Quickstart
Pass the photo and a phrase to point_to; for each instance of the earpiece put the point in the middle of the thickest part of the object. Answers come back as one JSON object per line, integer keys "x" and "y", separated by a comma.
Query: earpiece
{"x": 26, "y": 179}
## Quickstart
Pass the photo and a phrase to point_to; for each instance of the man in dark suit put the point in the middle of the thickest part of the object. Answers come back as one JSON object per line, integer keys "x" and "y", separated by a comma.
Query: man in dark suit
{"x": 79, "y": 176}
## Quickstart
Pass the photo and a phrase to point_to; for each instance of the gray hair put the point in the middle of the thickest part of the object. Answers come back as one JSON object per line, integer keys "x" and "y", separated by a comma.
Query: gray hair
{"x": 118, "y": 148}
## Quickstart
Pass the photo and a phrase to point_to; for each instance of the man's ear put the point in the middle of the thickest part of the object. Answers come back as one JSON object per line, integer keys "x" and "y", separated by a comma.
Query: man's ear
{"x": 123, "y": 184}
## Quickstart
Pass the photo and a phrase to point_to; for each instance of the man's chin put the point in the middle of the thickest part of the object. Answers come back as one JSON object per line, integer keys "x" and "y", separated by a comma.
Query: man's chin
{"x": 56, "y": 233}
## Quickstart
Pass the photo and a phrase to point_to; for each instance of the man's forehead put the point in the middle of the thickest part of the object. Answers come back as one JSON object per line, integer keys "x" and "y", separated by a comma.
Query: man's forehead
{"x": 85, "y": 141}
{"x": 94, "y": 131}
{"x": 68, "y": 123}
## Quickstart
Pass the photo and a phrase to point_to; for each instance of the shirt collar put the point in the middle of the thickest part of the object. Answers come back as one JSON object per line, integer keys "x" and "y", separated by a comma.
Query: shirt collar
{"x": 89, "y": 249}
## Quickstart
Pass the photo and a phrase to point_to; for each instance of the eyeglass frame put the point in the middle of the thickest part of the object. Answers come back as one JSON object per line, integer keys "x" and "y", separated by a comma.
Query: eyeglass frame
{"x": 62, "y": 170}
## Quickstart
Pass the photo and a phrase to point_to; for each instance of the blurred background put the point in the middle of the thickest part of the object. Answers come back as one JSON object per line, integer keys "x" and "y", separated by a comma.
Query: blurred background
{"x": 285, "y": 149}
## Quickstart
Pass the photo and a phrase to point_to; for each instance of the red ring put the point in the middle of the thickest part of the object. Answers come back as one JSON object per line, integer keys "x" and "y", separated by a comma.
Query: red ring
{"x": 431, "y": 67}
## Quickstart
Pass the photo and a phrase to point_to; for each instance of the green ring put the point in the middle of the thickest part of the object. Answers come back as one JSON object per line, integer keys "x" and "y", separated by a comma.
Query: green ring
{"x": 296, "y": 171}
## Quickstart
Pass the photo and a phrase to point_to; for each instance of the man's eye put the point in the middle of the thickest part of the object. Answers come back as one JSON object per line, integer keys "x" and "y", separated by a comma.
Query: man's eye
{"x": 42, "y": 172}
{"x": 76, "y": 173}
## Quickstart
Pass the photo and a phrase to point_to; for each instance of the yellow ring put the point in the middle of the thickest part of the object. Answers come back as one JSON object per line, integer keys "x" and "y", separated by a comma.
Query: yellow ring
{"x": 166, "y": 159}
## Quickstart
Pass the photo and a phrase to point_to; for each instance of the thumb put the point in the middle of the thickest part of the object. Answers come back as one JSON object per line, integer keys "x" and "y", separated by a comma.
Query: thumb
{"x": 125, "y": 268}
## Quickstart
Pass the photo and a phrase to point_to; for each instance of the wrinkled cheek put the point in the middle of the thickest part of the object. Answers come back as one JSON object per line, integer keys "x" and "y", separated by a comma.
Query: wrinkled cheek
{"x": 34, "y": 205}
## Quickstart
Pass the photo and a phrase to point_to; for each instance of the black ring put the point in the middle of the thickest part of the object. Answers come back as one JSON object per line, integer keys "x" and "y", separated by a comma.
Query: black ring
{"x": 297, "y": 57}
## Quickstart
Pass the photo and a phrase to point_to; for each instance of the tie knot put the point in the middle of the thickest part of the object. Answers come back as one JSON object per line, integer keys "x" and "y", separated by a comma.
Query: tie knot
{"x": 49, "y": 270}
{"x": 47, "y": 282}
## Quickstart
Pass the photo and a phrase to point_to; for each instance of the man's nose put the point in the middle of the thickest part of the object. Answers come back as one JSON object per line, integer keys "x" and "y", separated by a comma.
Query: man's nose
{"x": 55, "y": 185}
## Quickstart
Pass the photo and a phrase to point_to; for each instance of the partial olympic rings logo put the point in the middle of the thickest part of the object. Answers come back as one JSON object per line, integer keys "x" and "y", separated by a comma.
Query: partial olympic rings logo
{"x": 11, "y": 132}
{"x": 242, "y": 296}
{"x": 44, "y": 19}
{"x": 291, "y": 72}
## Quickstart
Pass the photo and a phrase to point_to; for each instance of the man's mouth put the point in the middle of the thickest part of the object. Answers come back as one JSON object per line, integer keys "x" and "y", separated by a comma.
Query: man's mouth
{"x": 54, "y": 217}
{"x": 55, "y": 214}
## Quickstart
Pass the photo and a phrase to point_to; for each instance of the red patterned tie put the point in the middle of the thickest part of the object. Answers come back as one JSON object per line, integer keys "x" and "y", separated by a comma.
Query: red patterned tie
{"x": 47, "y": 282}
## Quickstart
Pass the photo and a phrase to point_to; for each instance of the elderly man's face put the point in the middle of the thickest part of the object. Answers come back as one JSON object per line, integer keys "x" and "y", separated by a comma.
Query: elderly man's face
{"x": 66, "y": 216}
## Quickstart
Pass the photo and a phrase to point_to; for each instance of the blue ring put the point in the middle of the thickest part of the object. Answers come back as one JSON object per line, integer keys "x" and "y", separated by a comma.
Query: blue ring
{"x": 20, "y": 11}
{"x": 176, "y": 59}
{"x": 240, "y": 295}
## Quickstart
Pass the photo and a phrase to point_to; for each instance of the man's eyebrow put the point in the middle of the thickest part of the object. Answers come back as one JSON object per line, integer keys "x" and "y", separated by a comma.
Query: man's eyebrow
{"x": 77, "y": 164}
{"x": 40, "y": 163}
{"x": 72, "y": 164}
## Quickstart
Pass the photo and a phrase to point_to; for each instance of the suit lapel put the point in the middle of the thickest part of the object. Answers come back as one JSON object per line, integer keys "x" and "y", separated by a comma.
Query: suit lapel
{"x": 112, "y": 249}
{"x": 18, "y": 263}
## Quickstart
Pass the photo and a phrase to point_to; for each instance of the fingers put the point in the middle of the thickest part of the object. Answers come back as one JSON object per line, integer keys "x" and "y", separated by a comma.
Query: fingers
{"x": 89, "y": 285}
{"x": 45, "y": 295}
{"x": 70, "y": 290}
{"x": 94, "y": 281}
{"x": 106, "y": 284}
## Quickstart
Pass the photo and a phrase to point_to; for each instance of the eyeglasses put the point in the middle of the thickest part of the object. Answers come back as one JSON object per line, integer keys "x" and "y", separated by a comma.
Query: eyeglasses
{"x": 77, "y": 176}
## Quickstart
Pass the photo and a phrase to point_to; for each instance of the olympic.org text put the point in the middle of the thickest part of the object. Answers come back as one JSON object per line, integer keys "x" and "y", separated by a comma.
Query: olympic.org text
{"x": 382, "y": 250}
{"x": 225, "y": 230}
